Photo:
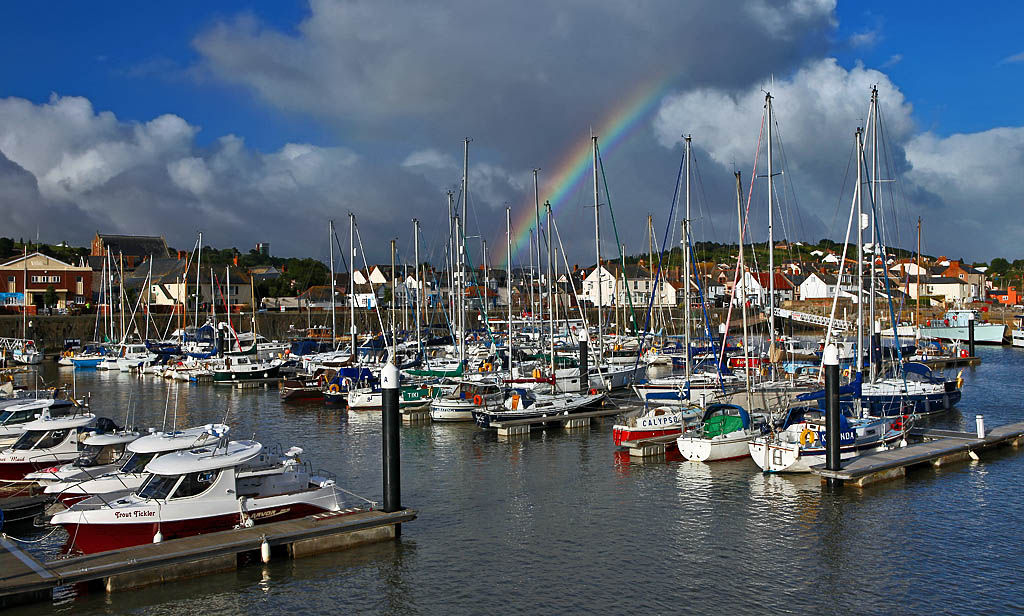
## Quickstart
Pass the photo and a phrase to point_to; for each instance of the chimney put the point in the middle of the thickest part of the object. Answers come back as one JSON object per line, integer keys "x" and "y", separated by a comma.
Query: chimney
{"x": 236, "y": 260}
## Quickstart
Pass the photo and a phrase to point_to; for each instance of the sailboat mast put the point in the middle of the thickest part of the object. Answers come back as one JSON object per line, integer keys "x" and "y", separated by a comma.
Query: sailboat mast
{"x": 392, "y": 307}
{"x": 334, "y": 318}
{"x": 874, "y": 209}
{"x": 352, "y": 280}
{"x": 416, "y": 305}
{"x": 597, "y": 247}
{"x": 536, "y": 212}
{"x": 771, "y": 235}
{"x": 860, "y": 255}
{"x": 551, "y": 298}
{"x": 687, "y": 266}
{"x": 462, "y": 247}
{"x": 199, "y": 268}
{"x": 508, "y": 279}
{"x": 918, "y": 275}
{"x": 24, "y": 292}
{"x": 149, "y": 295}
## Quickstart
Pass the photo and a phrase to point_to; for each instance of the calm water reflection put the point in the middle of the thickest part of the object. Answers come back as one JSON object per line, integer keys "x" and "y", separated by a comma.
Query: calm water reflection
{"x": 560, "y": 523}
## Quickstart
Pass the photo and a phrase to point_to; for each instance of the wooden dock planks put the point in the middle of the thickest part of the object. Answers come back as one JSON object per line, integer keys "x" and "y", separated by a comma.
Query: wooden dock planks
{"x": 21, "y": 574}
{"x": 945, "y": 444}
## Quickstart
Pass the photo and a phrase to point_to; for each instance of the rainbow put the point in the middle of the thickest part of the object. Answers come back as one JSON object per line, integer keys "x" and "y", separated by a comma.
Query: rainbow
{"x": 576, "y": 166}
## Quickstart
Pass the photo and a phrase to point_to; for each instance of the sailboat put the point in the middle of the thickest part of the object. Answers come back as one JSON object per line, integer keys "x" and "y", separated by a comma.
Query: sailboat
{"x": 26, "y": 352}
{"x": 724, "y": 434}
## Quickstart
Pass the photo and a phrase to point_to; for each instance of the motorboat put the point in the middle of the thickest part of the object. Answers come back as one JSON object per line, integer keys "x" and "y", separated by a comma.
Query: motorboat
{"x": 16, "y": 413}
{"x": 230, "y": 484}
{"x": 238, "y": 367}
{"x": 131, "y": 473}
{"x": 102, "y": 452}
{"x": 49, "y": 441}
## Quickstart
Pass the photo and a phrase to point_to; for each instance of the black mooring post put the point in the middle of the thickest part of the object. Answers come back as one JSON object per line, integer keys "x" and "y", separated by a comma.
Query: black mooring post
{"x": 584, "y": 367}
{"x": 970, "y": 337}
{"x": 832, "y": 430}
{"x": 389, "y": 432}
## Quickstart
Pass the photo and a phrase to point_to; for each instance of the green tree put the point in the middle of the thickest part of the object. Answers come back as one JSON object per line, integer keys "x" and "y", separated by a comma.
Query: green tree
{"x": 50, "y": 297}
{"x": 6, "y": 247}
{"x": 999, "y": 266}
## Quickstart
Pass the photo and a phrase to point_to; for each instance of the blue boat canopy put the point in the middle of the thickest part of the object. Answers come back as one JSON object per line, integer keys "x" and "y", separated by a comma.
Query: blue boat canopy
{"x": 733, "y": 410}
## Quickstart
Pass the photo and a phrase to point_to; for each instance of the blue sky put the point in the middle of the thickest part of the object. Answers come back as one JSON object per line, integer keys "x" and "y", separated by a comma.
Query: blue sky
{"x": 361, "y": 105}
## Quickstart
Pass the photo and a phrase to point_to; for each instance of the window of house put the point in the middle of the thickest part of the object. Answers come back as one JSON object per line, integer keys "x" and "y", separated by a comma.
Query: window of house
{"x": 10, "y": 279}
{"x": 79, "y": 279}
{"x": 54, "y": 278}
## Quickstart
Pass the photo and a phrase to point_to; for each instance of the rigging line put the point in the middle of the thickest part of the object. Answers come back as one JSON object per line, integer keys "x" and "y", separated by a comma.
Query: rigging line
{"x": 657, "y": 277}
{"x": 839, "y": 199}
{"x": 703, "y": 194}
{"x": 376, "y": 304}
{"x": 786, "y": 180}
{"x": 618, "y": 242}
{"x": 739, "y": 266}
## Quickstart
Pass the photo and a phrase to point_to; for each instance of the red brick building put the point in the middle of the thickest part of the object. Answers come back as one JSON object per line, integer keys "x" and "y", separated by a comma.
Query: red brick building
{"x": 71, "y": 283}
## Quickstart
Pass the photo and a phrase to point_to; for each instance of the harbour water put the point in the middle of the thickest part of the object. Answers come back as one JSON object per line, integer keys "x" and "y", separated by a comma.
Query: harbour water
{"x": 561, "y": 523}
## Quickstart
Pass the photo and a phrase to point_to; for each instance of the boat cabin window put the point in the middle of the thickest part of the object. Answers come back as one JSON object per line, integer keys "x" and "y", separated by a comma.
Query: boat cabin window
{"x": 158, "y": 486}
{"x": 93, "y": 455}
{"x": 38, "y": 439}
{"x": 137, "y": 462}
{"x": 16, "y": 416}
{"x": 195, "y": 483}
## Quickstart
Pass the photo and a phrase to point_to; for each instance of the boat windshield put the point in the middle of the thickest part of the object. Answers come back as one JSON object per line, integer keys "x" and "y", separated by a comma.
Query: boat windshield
{"x": 137, "y": 462}
{"x": 16, "y": 416}
{"x": 89, "y": 455}
{"x": 158, "y": 486}
{"x": 40, "y": 439}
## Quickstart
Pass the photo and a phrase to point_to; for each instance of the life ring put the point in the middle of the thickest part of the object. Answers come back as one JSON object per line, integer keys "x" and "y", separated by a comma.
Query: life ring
{"x": 846, "y": 373}
{"x": 478, "y": 400}
{"x": 537, "y": 373}
{"x": 488, "y": 367}
{"x": 334, "y": 388}
{"x": 807, "y": 437}
{"x": 593, "y": 391}
{"x": 480, "y": 369}
{"x": 897, "y": 425}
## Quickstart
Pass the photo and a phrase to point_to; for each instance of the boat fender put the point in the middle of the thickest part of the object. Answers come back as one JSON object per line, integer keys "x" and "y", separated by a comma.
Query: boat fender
{"x": 807, "y": 437}
{"x": 515, "y": 401}
{"x": 158, "y": 537}
{"x": 536, "y": 373}
{"x": 478, "y": 400}
{"x": 593, "y": 391}
{"x": 334, "y": 388}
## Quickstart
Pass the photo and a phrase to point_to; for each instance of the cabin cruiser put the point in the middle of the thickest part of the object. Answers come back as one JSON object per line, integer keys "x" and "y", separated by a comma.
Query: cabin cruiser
{"x": 237, "y": 367}
{"x": 101, "y": 453}
{"x": 130, "y": 475}
{"x": 17, "y": 412}
{"x": 49, "y": 441}
{"x": 207, "y": 489}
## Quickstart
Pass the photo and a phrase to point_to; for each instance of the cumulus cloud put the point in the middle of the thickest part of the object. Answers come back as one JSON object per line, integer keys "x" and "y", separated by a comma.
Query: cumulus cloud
{"x": 960, "y": 182}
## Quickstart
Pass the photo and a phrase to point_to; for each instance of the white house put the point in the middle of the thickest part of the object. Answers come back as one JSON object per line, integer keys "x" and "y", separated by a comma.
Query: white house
{"x": 589, "y": 293}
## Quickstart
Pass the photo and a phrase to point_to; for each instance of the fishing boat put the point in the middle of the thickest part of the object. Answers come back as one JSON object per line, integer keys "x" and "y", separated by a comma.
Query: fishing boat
{"x": 304, "y": 387}
{"x": 48, "y": 441}
{"x": 132, "y": 472}
{"x": 799, "y": 442}
{"x": 100, "y": 454}
{"x": 724, "y": 434}
{"x": 27, "y": 353}
{"x": 655, "y": 422}
{"x": 411, "y": 397}
{"x": 15, "y": 414}
{"x": 202, "y": 490}
{"x": 1017, "y": 338}
{"x": 955, "y": 326}
{"x": 133, "y": 356}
